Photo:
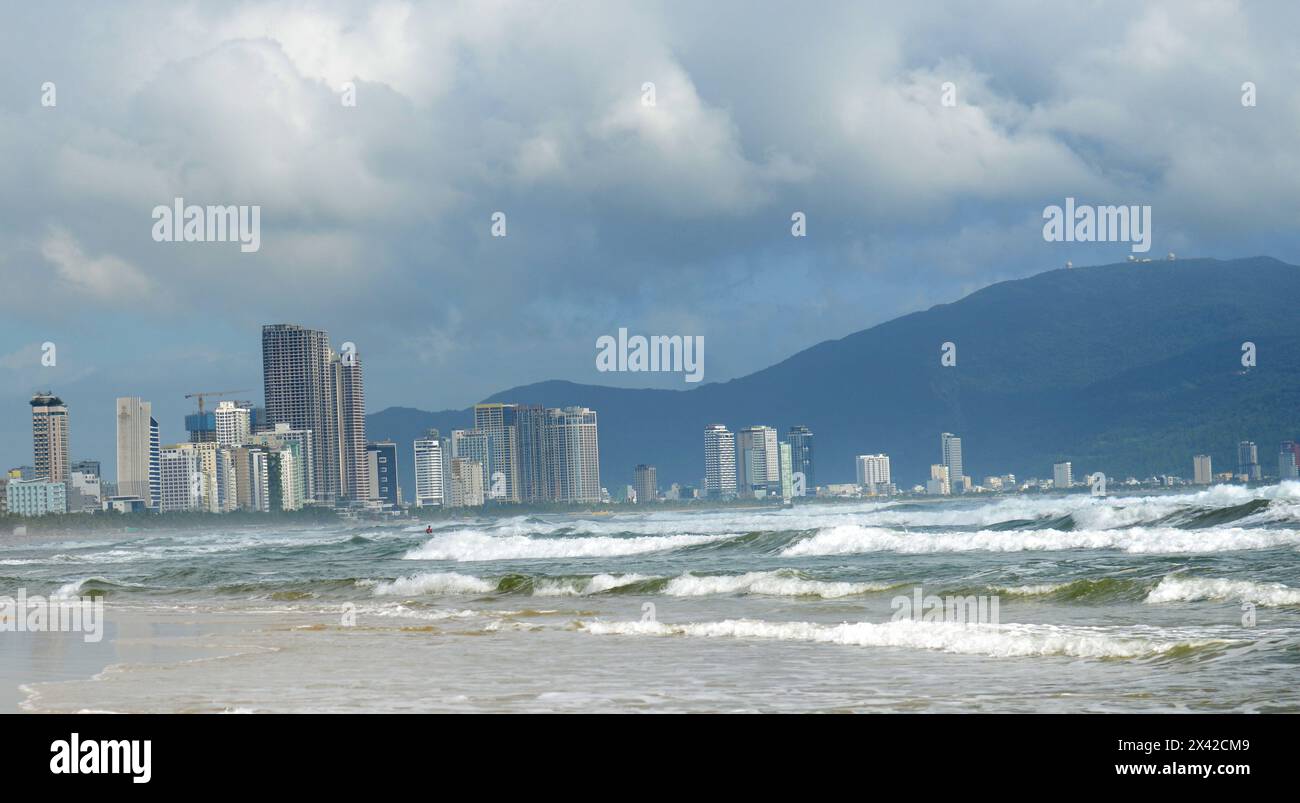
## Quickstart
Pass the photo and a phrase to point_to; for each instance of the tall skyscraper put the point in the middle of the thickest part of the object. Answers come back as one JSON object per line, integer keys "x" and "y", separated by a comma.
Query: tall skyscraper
{"x": 801, "y": 455}
{"x": 429, "y": 485}
{"x": 50, "y": 438}
{"x": 310, "y": 387}
{"x": 645, "y": 480}
{"x": 758, "y": 462}
{"x": 719, "y": 461}
{"x": 298, "y": 376}
{"x": 138, "y": 450}
{"x": 572, "y": 451}
{"x": 1248, "y": 461}
{"x": 500, "y": 423}
{"x": 951, "y": 445}
{"x": 350, "y": 408}
{"x": 1202, "y": 473}
{"x": 534, "y": 484}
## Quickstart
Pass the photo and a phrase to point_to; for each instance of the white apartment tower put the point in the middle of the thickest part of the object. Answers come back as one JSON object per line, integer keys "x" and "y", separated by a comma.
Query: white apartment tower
{"x": 181, "y": 486}
{"x": 873, "y": 469}
{"x": 1063, "y": 475}
{"x": 719, "y": 461}
{"x": 233, "y": 424}
{"x": 429, "y": 490}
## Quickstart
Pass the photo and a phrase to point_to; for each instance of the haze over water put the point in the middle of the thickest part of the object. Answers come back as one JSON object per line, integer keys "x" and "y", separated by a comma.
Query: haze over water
{"x": 1127, "y": 603}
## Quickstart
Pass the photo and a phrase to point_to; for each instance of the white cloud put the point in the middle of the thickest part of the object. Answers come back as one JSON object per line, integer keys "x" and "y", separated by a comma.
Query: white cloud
{"x": 103, "y": 278}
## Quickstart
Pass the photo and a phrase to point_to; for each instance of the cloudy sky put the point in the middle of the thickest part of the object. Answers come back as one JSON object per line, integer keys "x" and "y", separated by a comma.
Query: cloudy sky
{"x": 665, "y": 219}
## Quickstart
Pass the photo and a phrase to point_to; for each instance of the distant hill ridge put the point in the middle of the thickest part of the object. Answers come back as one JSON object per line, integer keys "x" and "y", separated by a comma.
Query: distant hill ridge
{"x": 1129, "y": 368}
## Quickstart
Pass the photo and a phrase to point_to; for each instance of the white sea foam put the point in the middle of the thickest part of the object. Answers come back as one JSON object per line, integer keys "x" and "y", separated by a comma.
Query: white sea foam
{"x": 853, "y": 539}
{"x": 436, "y": 583}
{"x": 1192, "y": 589}
{"x": 1001, "y": 641}
{"x": 581, "y": 587}
{"x": 471, "y": 545}
{"x": 775, "y": 584}
{"x": 1029, "y": 590}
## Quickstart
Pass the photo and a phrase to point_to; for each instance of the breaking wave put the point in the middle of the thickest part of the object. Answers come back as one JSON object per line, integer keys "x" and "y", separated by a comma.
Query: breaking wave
{"x": 470, "y": 545}
{"x": 854, "y": 539}
{"x": 1000, "y": 641}
{"x": 1194, "y": 589}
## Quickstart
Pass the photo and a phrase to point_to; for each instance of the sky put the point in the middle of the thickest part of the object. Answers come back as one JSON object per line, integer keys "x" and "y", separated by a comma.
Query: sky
{"x": 671, "y": 218}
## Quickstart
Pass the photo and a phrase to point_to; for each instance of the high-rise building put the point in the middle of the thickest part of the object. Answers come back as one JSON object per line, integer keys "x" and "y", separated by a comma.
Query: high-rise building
{"x": 873, "y": 470}
{"x": 1202, "y": 473}
{"x": 466, "y": 482}
{"x": 201, "y": 427}
{"x": 350, "y": 410}
{"x": 252, "y": 478}
{"x": 645, "y": 481}
{"x": 233, "y": 424}
{"x": 534, "y": 482}
{"x": 429, "y": 489}
{"x": 1063, "y": 475}
{"x": 499, "y": 422}
{"x": 181, "y": 486}
{"x": 381, "y": 464}
{"x": 50, "y": 438}
{"x": 940, "y": 482}
{"x": 298, "y": 441}
{"x": 210, "y": 485}
{"x": 226, "y": 482}
{"x": 951, "y": 445}
{"x": 138, "y": 451}
{"x": 300, "y": 376}
{"x": 719, "y": 461}
{"x": 801, "y": 455}
{"x": 758, "y": 462}
{"x": 472, "y": 444}
{"x": 572, "y": 454}
{"x": 1248, "y": 461}
{"x": 1288, "y": 461}
{"x": 787, "y": 471}
{"x": 283, "y": 477}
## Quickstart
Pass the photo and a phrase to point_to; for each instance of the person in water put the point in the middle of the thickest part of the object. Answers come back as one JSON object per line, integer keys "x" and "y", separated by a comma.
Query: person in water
{"x": 428, "y": 530}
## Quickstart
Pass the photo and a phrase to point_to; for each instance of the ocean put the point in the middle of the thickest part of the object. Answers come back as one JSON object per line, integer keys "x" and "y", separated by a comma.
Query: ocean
{"x": 1150, "y": 602}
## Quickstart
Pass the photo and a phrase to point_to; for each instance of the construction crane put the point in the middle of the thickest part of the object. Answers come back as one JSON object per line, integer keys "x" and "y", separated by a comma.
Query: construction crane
{"x": 199, "y": 395}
